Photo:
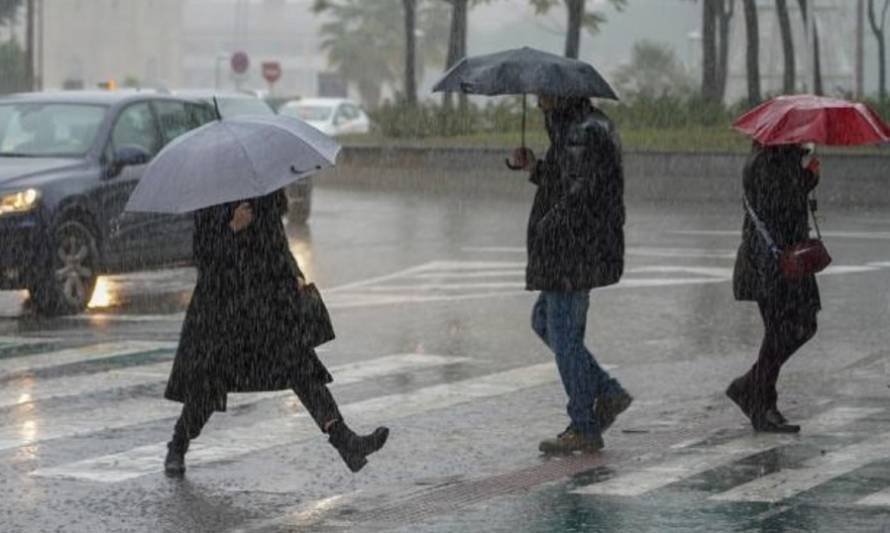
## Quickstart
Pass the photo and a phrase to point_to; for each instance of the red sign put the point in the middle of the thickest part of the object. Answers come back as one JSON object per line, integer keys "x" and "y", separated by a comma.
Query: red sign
{"x": 272, "y": 71}
{"x": 240, "y": 62}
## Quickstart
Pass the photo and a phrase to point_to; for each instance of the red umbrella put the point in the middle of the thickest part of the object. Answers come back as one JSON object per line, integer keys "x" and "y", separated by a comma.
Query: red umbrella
{"x": 813, "y": 119}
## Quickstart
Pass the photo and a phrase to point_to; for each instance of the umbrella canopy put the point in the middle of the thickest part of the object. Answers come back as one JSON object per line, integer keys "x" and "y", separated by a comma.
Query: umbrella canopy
{"x": 813, "y": 119}
{"x": 525, "y": 70}
{"x": 230, "y": 160}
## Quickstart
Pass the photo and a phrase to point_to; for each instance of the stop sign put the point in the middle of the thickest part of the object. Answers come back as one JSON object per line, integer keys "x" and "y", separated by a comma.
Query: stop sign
{"x": 240, "y": 62}
{"x": 272, "y": 71}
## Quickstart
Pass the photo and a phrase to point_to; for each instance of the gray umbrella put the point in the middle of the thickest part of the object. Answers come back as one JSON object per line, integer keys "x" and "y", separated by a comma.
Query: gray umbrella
{"x": 522, "y": 71}
{"x": 230, "y": 160}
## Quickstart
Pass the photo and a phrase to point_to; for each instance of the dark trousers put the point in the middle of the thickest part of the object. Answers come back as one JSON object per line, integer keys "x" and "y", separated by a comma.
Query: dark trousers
{"x": 560, "y": 319}
{"x": 315, "y": 396}
{"x": 786, "y": 329}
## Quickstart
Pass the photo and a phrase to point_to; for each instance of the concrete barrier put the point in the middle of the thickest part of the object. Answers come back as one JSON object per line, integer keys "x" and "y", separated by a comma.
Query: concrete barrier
{"x": 854, "y": 180}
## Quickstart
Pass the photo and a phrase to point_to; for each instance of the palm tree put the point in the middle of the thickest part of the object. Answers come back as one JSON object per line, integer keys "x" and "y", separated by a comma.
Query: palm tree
{"x": 578, "y": 17}
{"x": 752, "y": 32}
{"x": 8, "y": 11}
{"x": 410, "y": 13}
{"x": 788, "y": 81}
{"x": 364, "y": 50}
{"x": 716, "y": 15}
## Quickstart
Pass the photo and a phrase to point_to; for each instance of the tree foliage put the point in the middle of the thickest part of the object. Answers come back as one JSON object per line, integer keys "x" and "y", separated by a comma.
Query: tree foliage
{"x": 579, "y": 17}
{"x": 654, "y": 71}
{"x": 365, "y": 41}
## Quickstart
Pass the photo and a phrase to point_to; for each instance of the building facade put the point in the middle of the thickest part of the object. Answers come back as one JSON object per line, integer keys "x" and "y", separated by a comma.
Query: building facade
{"x": 86, "y": 42}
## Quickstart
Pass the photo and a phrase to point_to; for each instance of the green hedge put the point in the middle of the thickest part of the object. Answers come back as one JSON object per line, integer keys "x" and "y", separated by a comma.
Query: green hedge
{"x": 503, "y": 116}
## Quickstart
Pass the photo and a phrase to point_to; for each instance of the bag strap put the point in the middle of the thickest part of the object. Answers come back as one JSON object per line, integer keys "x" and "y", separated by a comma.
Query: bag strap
{"x": 761, "y": 228}
{"x": 811, "y": 204}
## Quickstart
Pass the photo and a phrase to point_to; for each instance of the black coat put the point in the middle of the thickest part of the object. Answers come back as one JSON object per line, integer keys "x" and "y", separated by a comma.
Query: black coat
{"x": 777, "y": 187}
{"x": 575, "y": 235}
{"x": 239, "y": 330}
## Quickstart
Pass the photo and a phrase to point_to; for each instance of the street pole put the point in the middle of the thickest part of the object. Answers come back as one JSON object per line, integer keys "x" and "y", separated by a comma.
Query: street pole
{"x": 29, "y": 46}
{"x": 41, "y": 82}
{"x": 859, "y": 81}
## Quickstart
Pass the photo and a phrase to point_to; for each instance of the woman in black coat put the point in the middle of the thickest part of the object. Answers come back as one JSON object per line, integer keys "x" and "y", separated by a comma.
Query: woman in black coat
{"x": 240, "y": 330}
{"x": 776, "y": 186}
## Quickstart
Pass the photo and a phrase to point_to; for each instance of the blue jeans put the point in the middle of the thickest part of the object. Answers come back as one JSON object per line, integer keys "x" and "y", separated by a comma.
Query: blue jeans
{"x": 560, "y": 319}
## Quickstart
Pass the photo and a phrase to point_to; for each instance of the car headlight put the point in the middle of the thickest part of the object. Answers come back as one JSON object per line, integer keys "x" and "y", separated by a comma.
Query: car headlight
{"x": 20, "y": 202}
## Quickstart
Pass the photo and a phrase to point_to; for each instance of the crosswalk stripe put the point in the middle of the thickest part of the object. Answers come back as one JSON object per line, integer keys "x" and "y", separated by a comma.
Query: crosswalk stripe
{"x": 878, "y": 499}
{"x": 696, "y": 461}
{"x": 229, "y": 443}
{"x": 785, "y": 484}
{"x": 28, "y": 390}
{"x": 79, "y": 355}
{"x": 24, "y": 430}
{"x": 12, "y": 341}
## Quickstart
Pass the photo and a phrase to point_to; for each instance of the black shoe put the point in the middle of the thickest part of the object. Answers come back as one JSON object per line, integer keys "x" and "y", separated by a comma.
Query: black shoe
{"x": 174, "y": 464}
{"x": 768, "y": 422}
{"x": 739, "y": 394}
{"x": 776, "y": 415}
{"x": 355, "y": 449}
{"x": 609, "y": 407}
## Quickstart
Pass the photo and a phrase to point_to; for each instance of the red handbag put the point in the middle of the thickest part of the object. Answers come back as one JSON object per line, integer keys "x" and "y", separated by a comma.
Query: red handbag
{"x": 803, "y": 259}
{"x": 800, "y": 259}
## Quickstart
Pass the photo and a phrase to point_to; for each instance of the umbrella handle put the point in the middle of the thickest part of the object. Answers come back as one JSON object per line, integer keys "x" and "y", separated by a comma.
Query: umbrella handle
{"x": 511, "y": 166}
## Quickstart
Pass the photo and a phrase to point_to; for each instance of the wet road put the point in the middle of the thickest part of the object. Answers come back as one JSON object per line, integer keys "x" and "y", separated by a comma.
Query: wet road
{"x": 426, "y": 292}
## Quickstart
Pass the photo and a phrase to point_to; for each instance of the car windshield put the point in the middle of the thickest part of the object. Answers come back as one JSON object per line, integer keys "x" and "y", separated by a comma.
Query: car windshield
{"x": 235, "y": 107}
{"x": 315, "y": 113}
{"x": 48, "y": 129}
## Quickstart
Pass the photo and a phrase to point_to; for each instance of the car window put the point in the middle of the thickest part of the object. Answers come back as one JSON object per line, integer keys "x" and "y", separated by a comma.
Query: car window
{"x": 136, "y": 127}
{"x": 177, "y": 118}
{"x": 349, "y": 112}
{"x": 236, "y": 107}
{"x": 39, "y": 129}
{"x": 314, "y": 113}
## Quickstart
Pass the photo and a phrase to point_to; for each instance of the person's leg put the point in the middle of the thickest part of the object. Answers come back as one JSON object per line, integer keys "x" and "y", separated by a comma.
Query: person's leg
{"x": 189, "y": 425}
{"x": 793, "y": 329}
{"x": 354, "y": 449}
{"x": 566, "y": 323}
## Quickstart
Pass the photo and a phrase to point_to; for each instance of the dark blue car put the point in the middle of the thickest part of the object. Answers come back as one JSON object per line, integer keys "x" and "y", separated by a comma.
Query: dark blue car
{"x": 68, "y": 163}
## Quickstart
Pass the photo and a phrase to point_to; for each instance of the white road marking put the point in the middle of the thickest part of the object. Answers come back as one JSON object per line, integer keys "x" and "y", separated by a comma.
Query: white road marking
{"x": 229, "y": 443}
{"x": 27, "y": 428}
{"x": 13, "y": 341}
{"x": 79, "y": 355}
{"x": 694, "y": 461}
{"x": 785, "y": 484}
{"x": 878, "y": 499}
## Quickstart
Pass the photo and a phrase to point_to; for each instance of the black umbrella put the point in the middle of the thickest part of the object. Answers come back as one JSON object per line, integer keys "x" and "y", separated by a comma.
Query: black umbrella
{"x": 522, "y": 71}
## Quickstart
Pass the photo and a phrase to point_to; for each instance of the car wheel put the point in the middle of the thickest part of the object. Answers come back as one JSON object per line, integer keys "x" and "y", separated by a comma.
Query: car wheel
{"x": 68, "y": 285}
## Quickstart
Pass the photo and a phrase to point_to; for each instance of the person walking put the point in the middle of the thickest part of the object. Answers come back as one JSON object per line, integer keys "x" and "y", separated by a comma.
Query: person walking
{"x": 241, "y": 330}
{"x": 777, "y": 181}
{"x": 575, "y": 243}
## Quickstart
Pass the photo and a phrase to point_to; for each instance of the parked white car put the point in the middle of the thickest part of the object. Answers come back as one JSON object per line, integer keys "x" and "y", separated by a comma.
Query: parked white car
{"x": 332, "y": 116}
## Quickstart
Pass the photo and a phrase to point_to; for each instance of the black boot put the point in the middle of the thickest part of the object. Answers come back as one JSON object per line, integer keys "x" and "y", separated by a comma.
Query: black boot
{"x": 354, "y": 449}
{"x": 740, "y": 394}
{"x": 174, "y": 464}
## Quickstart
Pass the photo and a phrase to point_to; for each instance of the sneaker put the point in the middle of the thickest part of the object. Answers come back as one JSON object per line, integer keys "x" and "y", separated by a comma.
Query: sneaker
{"x": 609, "y": 407}
{"x": 570, "y": 441}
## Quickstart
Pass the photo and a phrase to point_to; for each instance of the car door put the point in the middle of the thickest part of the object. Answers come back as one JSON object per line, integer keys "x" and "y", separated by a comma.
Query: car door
{"x": 177, "y": 118}
{"x": 133, "y": 237}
